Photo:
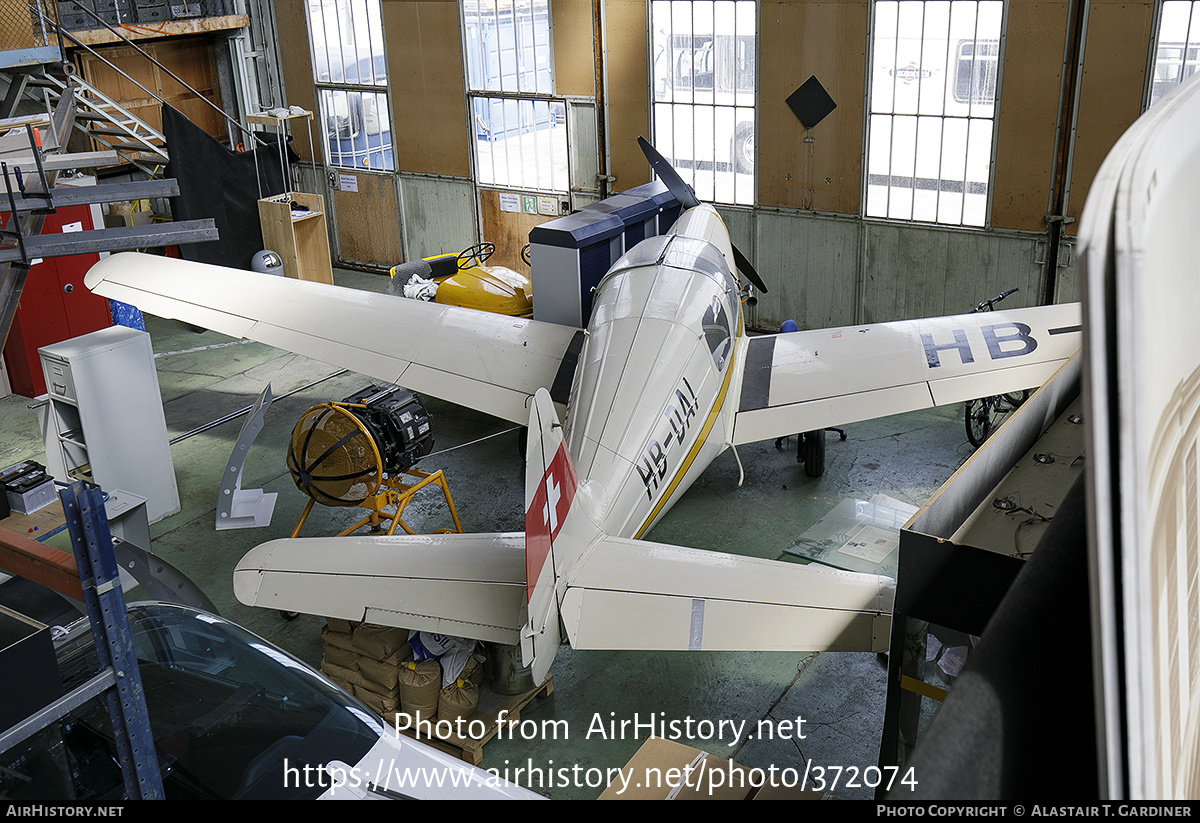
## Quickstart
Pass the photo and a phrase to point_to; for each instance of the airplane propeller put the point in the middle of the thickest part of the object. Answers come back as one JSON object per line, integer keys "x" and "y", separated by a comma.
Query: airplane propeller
{"x": 682, "y": 192}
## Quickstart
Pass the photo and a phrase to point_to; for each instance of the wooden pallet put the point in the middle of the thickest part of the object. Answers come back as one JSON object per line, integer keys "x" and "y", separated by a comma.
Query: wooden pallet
{"x": 492, "y": 707}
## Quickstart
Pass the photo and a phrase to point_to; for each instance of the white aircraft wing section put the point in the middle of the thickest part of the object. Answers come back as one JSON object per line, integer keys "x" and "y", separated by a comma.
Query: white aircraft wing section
{"x": 634, "y": 594}
{"x": 466, "y": 585}
{"x": 490, "y": 362}
{"x": 808, "y": 380}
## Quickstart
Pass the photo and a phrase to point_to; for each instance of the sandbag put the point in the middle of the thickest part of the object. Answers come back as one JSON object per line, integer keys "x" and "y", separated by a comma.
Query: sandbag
{"x": 419, "y": 684}
{"x": 459, "y": 699}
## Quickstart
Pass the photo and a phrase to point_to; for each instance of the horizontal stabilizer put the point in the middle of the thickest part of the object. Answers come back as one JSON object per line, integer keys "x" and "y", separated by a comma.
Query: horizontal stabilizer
{"x": 633, "y": 594}
{"x": 465, "y": 585}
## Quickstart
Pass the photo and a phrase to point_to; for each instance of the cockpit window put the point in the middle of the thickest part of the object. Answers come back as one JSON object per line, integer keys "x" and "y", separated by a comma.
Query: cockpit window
{"x": 227, "y": 711}
{"x": 689, "y": 253}
{"x": 717, "y": 333}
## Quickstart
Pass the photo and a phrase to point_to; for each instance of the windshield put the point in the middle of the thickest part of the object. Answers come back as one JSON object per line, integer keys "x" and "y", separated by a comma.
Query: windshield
{"x": 226, "y": 710}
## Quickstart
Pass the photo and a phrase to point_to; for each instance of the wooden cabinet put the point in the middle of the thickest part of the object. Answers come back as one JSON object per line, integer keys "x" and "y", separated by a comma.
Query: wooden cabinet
{"x": 297, "y": 235}
{"x": 55, "y": 304}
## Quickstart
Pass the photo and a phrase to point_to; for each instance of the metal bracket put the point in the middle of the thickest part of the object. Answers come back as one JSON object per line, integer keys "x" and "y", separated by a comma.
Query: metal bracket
{"x": 250, "y": 508}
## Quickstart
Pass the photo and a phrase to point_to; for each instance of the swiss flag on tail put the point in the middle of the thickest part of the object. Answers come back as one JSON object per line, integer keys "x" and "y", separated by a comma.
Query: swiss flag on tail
{"x": 546, "y": 513}
{"x": 550, "y": 486}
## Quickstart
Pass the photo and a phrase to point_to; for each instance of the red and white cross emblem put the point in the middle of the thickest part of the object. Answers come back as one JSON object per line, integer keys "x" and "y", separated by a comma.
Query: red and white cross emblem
{"x": 546, "y": 514}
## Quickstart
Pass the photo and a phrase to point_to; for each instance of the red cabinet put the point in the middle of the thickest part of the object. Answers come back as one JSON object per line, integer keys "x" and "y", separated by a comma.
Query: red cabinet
{"x": 55, "y": 304}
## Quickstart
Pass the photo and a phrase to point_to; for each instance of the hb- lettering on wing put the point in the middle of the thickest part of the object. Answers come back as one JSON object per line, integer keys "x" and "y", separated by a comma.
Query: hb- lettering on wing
{"x": 808, "y": 380}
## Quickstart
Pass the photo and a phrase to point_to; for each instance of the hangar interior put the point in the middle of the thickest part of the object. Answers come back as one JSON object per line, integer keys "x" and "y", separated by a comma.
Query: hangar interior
{"x": 894, "y": 188}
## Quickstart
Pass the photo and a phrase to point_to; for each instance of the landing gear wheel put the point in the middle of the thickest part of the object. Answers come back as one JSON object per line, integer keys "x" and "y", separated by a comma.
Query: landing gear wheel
{"x": 812, "y": 452}
{"x": 981, "y": 419}
{"x": 477, "y": 255}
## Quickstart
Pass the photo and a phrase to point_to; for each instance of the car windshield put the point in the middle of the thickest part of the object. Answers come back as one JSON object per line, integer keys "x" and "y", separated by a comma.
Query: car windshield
{"x": 227, "y": 709}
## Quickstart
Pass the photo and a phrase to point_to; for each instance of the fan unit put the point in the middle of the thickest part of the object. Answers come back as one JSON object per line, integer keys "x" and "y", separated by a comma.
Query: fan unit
{"x": 363, "y": 452}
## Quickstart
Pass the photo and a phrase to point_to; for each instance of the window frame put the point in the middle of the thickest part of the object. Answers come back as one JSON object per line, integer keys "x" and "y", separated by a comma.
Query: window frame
{"x": 376, "y": 156}
{"x": 952, "y": 66}
{"x": 1190, "y": 46}
{"x": 732, "y": 129}
{"x": 487, "y": 86}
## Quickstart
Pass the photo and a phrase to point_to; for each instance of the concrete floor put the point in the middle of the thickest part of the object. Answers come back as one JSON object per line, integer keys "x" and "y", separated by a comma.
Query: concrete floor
{"x": 840, "y": 696}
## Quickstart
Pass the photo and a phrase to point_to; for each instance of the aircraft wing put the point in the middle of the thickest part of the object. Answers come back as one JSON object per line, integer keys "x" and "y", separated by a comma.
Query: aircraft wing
{"x": 490, "y": 362}
{"x": 465, "y": 585}
{"x": 809, "y": 380}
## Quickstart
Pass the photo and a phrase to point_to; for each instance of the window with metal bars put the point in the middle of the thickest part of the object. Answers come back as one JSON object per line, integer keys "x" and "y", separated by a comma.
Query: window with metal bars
{"x": 518, "y": 125}
{"x": 933, "y": 101}
{"x": 350, "y": 76}
{"x": 1176, "y": 49}
{"x": 703, "y": 54}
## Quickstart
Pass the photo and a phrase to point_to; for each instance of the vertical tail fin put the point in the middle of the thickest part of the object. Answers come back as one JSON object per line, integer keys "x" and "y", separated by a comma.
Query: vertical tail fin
{"x": 550, "y": 486}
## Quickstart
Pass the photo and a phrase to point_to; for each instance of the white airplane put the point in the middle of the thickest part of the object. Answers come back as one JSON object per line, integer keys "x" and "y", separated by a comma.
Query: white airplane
{"x": 666, "y": 380}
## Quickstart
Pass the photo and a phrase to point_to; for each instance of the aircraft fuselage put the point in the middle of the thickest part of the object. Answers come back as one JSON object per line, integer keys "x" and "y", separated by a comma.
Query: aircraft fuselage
{"x": 647, "y": 411}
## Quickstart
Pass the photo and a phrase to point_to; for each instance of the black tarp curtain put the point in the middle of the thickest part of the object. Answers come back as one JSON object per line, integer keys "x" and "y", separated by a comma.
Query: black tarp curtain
{"x": 224, "y": 185}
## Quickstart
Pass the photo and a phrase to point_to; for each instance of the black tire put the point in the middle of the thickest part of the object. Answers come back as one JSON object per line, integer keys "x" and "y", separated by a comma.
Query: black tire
{"x": 813, "y": 450}
{"x": 1016, "y": 398}
{"x": 981, "y": 419}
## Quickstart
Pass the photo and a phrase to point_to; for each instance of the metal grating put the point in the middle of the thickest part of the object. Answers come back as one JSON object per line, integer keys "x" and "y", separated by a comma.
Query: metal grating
{"x": 25, "y": 31}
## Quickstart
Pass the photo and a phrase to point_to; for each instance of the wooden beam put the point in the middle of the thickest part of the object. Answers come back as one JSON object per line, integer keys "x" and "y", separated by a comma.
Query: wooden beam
{"x": 168, "y": 28}
{"x": 45, "y": 565}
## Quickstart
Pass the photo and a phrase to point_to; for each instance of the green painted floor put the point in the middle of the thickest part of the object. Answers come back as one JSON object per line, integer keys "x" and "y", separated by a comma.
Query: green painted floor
{"x": 839, "y": 696}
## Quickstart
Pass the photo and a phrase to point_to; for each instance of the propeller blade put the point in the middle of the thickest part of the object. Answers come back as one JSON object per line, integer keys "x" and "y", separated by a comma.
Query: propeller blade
{"x": 744, "y": 266}
{"x": 666, "y": 173}
{"x": 682, "y": 192}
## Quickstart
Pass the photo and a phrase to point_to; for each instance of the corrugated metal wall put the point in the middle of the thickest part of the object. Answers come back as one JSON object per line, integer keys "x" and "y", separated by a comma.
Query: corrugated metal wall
{"x": 830, "y": 270}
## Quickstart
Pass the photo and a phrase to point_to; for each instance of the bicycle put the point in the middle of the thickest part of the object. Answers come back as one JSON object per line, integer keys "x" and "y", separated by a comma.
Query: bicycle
{"x": 984, "y": 414}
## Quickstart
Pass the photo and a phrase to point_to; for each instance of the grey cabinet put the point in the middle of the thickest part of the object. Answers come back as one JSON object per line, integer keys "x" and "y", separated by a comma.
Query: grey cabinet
{"x": 105, "y": 417}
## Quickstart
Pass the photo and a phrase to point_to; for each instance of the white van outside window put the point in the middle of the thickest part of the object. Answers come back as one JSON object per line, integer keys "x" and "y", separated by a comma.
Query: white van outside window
{"x": 518, "y": 125}
{"x": 933, "y": 101}
{"x": 350, "y": 75}
{"x": 703, "y": 54}
{"x": 1177, "y": 47}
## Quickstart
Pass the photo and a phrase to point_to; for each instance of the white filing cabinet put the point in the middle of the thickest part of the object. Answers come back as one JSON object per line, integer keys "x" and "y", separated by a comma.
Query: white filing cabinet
{"x": 105, "y": 417}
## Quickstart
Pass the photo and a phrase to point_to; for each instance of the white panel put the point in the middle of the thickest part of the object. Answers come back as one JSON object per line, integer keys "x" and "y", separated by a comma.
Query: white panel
{"x": 581, "y": 131}
{"x": 437, "y": 215}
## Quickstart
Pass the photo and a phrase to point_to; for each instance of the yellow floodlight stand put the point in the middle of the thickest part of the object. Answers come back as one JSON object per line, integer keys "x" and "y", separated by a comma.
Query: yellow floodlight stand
{"x": 388, "y": 502}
